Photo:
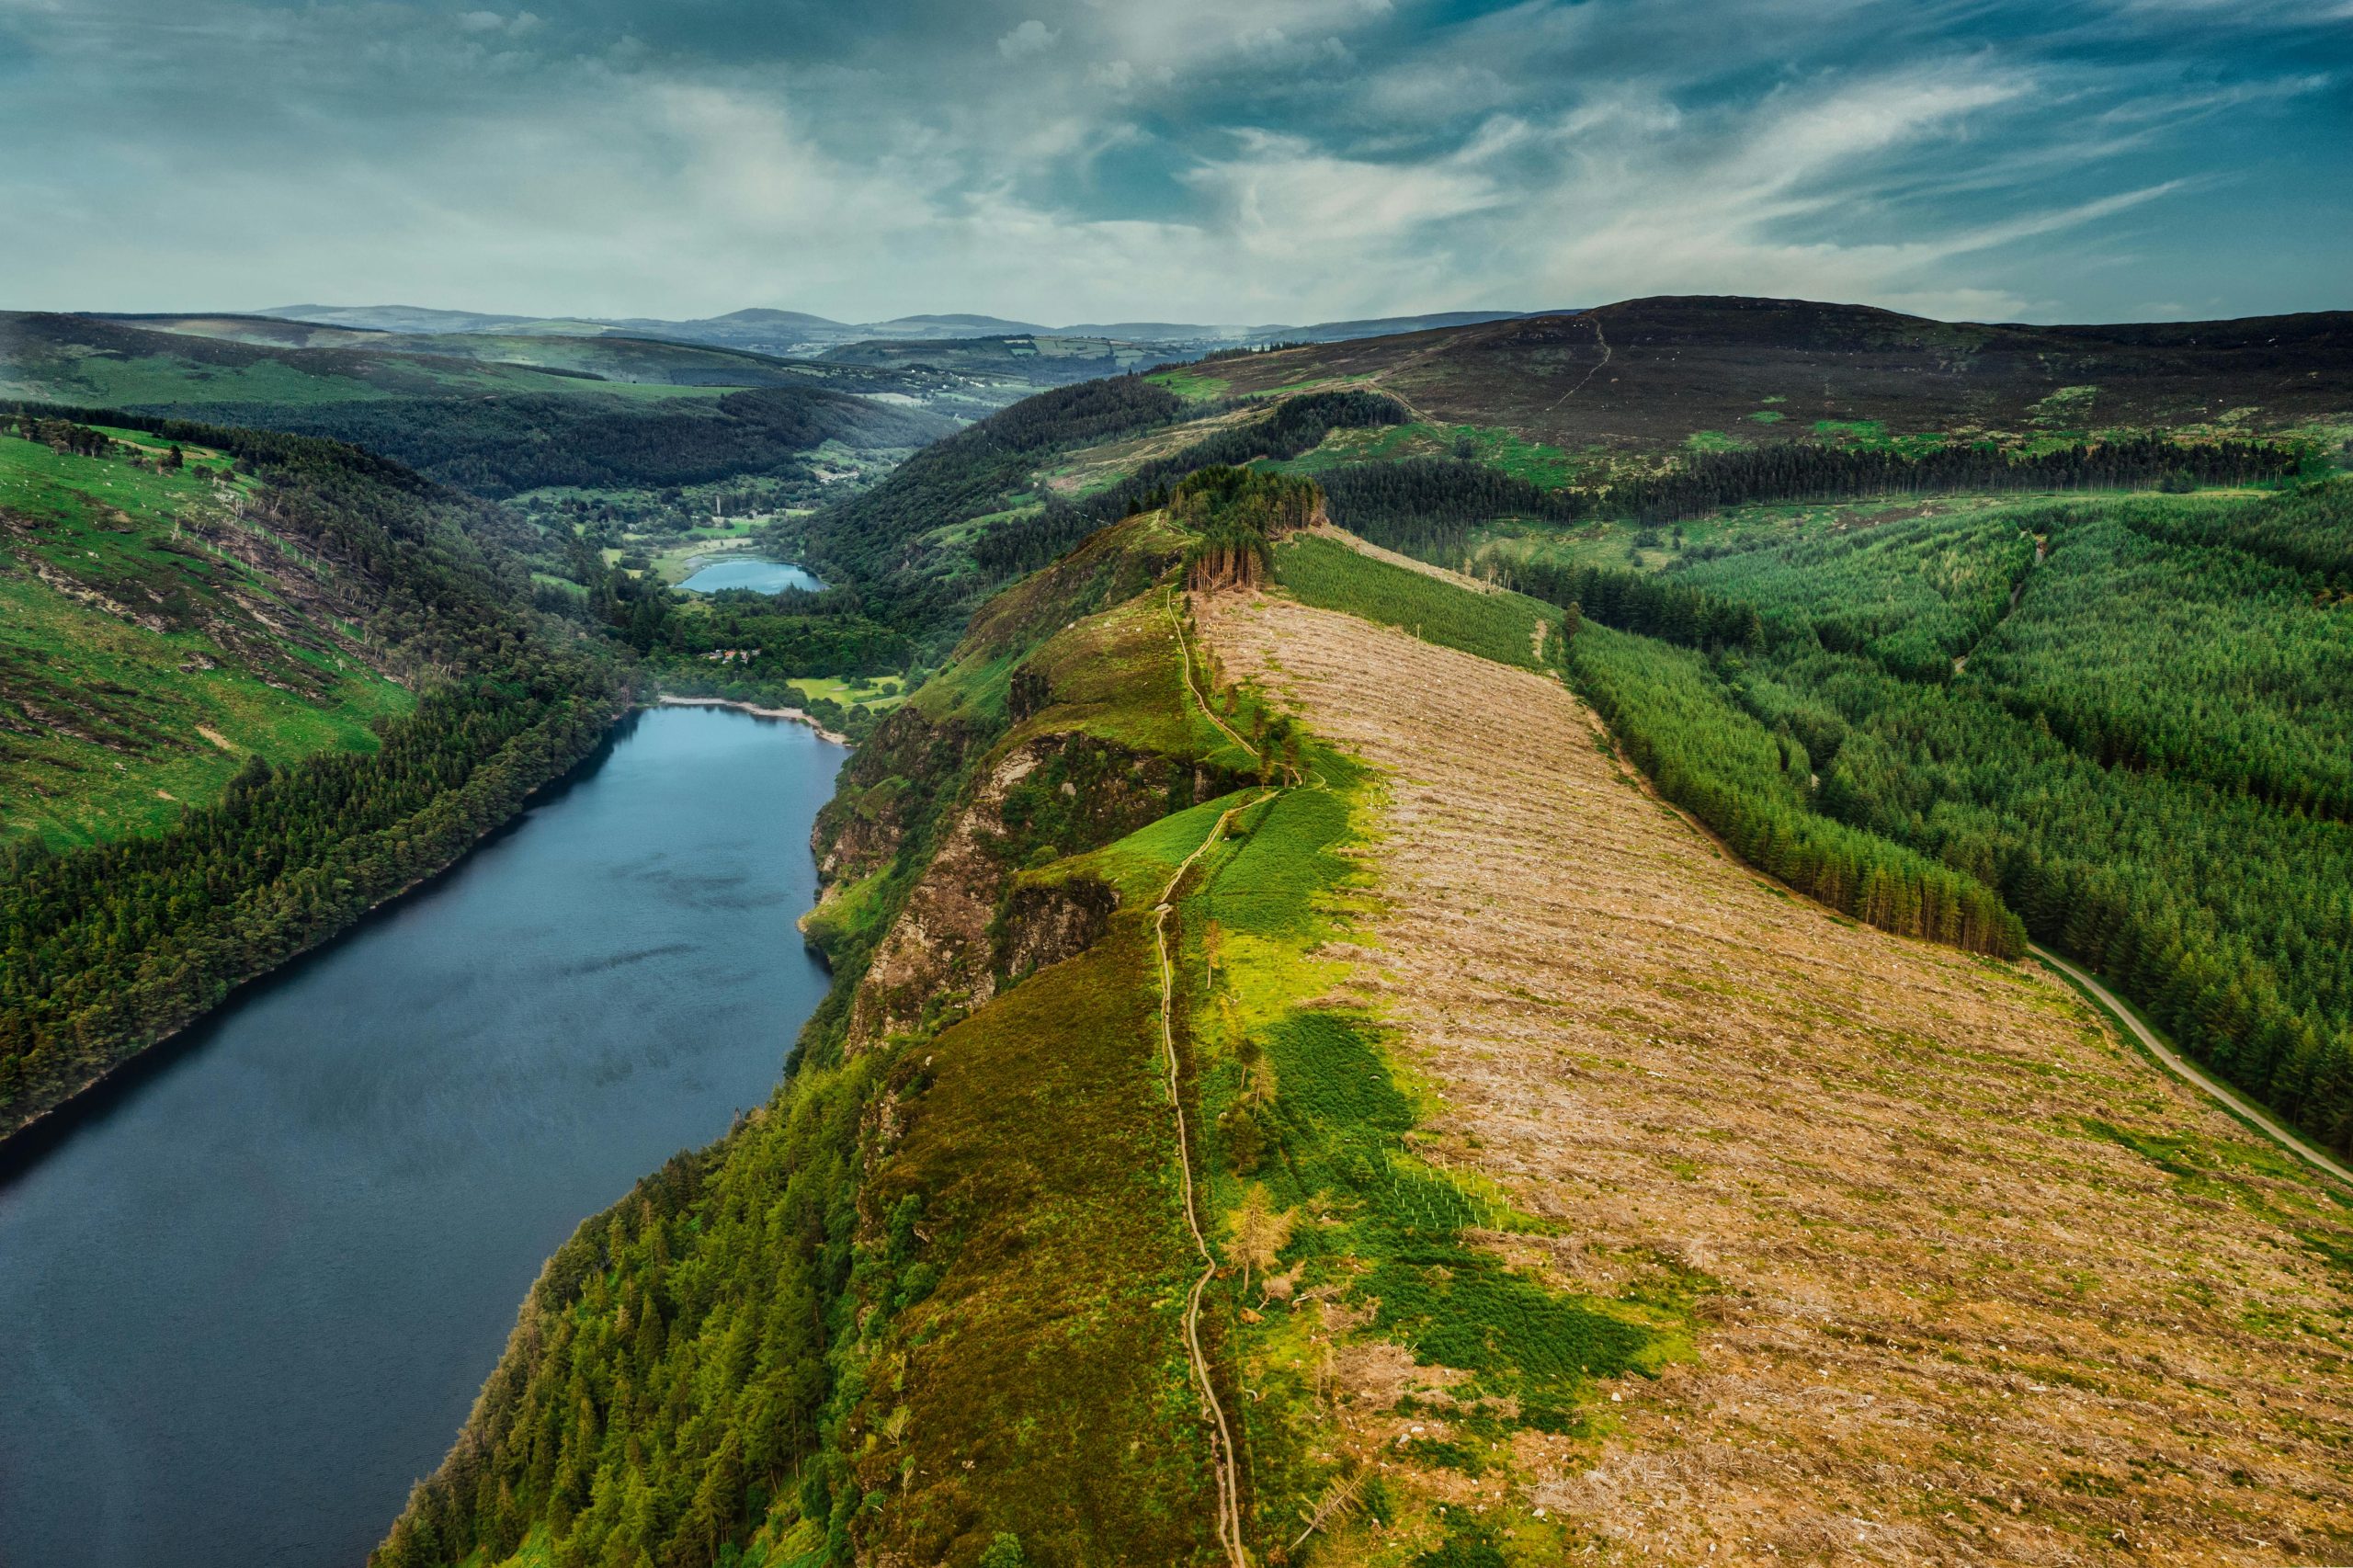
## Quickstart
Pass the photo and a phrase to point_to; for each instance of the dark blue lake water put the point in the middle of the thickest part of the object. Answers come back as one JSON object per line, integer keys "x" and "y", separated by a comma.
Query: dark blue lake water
{"x": 247, "y": 1298}
{"x": 760, "y": 576}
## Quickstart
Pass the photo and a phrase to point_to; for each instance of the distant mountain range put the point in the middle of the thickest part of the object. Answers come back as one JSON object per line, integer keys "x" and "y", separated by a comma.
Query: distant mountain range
{"x": 798, "y": 333}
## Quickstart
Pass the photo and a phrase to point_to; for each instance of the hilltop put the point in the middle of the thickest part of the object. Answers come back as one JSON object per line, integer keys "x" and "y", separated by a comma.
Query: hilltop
{"x": 1657, "y": 373}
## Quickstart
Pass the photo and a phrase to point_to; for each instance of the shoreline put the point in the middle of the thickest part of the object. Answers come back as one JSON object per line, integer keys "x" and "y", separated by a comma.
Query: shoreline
{"x": 17, "y": 1154}
{"x": 795, "y": 715}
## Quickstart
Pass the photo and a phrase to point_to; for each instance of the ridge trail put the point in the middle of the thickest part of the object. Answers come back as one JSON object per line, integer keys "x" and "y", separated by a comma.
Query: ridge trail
{"x": 1607, "y": 353}
{"x": 1229, "y": 1509}
{"x": 1229, "y": 1487}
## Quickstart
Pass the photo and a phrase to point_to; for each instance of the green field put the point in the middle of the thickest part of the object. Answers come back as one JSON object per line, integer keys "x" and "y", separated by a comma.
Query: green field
{"x": 110, "y": 380}
{"x": 139, "y": 619}
{"x": 881, "y": 693}
{"x": 1192, "y": 384}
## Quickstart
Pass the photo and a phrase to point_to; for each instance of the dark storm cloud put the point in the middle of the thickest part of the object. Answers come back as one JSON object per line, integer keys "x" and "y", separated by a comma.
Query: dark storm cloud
{"x": 1225, "y": 160}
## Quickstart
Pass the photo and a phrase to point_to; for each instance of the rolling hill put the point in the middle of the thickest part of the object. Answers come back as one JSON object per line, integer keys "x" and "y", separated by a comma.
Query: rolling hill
{"x": 1649, "y": 412}
{"x": 1655, "y": 374}
{"x": 666, "y": 414}
{"x": 797, "y": 333}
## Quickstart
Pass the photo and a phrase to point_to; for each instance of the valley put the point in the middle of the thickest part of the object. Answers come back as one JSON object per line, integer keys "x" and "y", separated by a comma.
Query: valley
{"x": 1432, "y": 937}
{"x": 1319, "y": 785}
{"x": 1570, "y": 1185}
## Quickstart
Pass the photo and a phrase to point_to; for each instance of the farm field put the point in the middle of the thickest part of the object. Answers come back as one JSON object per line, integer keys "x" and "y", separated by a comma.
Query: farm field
{"x": 879, "y": 694}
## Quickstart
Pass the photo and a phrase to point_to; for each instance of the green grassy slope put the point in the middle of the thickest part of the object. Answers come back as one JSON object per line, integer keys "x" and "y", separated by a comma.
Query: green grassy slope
{"x": 1507, "y": 628}
{"x": 83, "y": 360}
{"x": 155, "y": 635}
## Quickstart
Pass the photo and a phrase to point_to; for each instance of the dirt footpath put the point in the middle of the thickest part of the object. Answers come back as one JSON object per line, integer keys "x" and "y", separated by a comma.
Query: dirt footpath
{"x": 1990, "y": 1288}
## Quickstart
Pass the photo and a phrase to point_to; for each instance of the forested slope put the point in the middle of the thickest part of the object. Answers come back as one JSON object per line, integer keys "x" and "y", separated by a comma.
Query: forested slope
{"x": 331, "y": 655}
{"x": 2126, "y": 716}
{"x": 699, "y": 1367}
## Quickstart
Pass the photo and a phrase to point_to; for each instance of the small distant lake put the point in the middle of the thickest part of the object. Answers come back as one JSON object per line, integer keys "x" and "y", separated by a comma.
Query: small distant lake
{"x": 760, "y": 576}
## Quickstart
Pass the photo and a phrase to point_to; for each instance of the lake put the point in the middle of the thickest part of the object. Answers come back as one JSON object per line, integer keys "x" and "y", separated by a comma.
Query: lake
{"x": 760, "y": 576}
{"x": 248, "y": 1293}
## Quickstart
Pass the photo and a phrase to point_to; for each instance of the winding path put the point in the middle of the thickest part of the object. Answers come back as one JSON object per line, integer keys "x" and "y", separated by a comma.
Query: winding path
{"x": 1185, "y": 658}
{"x": 1229, "y": 1491}
{"x": 2190, "y": 1071}
{"x": 1607, "y": 355}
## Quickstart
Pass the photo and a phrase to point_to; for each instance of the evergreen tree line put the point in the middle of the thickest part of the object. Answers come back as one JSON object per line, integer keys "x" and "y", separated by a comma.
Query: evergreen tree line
{"x": 2145, "y": 759}
{"x": 286, "y": 454}
{"x": 1791, "y": 471}
{"x": 2226, "y": 919}
{"x": 501, "y": 447}
{"x": 60, "y": 435}
{"x": 105, "y": 950}
{"x": 1236, "y": 515}
{"x": 1751, "y": 788}
{"x": 675, "y": 1365}
{"x": 1644, "y": 602}
{"x": 1431, "y": 507}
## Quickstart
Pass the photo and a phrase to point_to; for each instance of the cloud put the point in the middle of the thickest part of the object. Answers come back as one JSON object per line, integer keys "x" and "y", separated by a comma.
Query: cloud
{"x": 1032, "y": 37}
{"x": 1222, "y": 160}
{"x": 493, "y": 22}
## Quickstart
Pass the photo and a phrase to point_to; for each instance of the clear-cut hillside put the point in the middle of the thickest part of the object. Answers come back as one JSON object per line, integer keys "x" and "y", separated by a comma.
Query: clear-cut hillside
{"x": 1983, "y": 1285}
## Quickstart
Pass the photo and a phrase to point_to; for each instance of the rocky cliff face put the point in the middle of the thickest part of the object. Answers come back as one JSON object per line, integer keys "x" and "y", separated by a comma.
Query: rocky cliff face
{"x": 967, "y": 930}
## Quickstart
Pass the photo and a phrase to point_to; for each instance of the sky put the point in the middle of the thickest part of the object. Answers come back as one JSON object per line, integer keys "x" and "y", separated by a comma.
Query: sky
{"x": 1217, "y": 161}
